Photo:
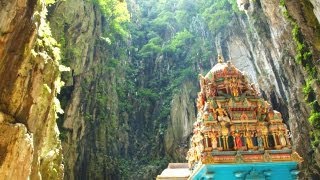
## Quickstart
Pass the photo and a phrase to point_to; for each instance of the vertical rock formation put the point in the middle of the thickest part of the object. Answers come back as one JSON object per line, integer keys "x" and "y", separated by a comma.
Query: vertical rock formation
{"x": 91, "y": 120}
{"x": 29, "y": 71}
{"x": 180, "y": 123}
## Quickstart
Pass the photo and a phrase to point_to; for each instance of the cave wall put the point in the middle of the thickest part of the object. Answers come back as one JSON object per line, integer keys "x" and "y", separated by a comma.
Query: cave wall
{"x": 90, "y": 123}
{"x": 29, "y": 83}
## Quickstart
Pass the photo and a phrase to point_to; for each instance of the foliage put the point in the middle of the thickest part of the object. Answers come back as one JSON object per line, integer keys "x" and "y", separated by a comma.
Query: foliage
{"x": 218, "y": 13}
{"x": 49, "y": 2}
{"x": 171, "y": 41}
{"x": 152, "y": 48}
{"x": 144, "y": 93}
{"x": 116, "y": 16}
{"x": 315, "y": 119}
{"x": 178, "y": 43}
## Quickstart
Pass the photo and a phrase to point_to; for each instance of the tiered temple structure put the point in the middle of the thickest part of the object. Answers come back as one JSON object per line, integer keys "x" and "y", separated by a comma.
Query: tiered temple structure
{"x": 237, "y": 134}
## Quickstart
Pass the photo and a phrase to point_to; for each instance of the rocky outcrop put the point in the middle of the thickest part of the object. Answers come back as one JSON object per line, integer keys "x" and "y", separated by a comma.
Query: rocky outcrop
{"x": 29, "y": 71}
{"x": 181, "y": 122}
{"x": 316, "y": 8}
{"x": 16, "y": 151}
{"x": 90, "y": 123}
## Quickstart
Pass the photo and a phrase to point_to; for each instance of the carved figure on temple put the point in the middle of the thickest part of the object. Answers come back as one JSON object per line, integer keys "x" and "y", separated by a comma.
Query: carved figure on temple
{"x": 260, "y": 141}
{"x": 224, "y": 129}
{"x": 222, "y": 114}
{"x": 259, "y": 111}
{"x": 200, "y": 101}
{"x": 210, "y": 91}
{"x": 233, "y": 85}
{"x": 249, "y": 140}
{"x": 214, "y": 141}
{"x": 212, "y": 111}
{"x": 282, "y": 139}
{"x": 238, "y": 141}
{"x": 205, "y": 116}
{"x": 191, "y": 156}
{"x": 198, "y": 150}
{"x": 244, "y": 116}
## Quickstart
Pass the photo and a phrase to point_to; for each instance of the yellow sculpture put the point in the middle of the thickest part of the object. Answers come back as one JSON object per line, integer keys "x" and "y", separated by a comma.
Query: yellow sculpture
{"x": 222, "y": 114}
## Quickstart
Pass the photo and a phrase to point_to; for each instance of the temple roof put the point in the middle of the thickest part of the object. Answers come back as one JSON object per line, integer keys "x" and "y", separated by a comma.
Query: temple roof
{"x": 227, "y": 67}
{"x": 217, "y": 67}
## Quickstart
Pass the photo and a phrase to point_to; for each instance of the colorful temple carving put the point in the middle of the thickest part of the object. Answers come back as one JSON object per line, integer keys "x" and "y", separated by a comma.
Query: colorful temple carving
{"x": 234, "y": 124}
{"x": 237, "y": 134}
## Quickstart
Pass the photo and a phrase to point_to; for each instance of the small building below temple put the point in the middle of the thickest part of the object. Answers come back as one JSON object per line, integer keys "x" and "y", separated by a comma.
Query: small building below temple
{"x": 237, "y": 134}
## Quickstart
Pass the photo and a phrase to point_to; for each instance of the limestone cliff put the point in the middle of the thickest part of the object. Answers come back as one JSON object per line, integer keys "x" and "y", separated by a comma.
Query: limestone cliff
{"x": 29, "y": 71}
{"x": 181, "y": 122}
{"x": 90, "y": 123}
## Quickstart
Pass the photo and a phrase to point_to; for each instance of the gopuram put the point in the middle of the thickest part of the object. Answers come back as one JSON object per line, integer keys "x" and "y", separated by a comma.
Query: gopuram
{"x": 237, "y": 134}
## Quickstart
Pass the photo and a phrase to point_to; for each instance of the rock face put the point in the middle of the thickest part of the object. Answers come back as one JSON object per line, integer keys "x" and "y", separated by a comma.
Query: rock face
{"x": 29, "y": 71}
{"x": 181, "y": 122}
{"x": 16, "y": 150}
{"x": 316, "y": 10}
{"x": 91, "y": 119}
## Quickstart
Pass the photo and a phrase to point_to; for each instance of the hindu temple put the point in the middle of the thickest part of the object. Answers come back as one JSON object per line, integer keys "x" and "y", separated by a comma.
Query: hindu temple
{"x": 237, "y": 134}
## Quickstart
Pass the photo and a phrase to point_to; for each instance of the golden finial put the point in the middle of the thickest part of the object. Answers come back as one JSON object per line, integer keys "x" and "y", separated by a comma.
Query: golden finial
{"x": 220, "y": 59}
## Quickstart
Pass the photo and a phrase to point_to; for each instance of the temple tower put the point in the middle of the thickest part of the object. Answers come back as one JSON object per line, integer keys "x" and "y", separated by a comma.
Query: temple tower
{"x": 237, "y": 134}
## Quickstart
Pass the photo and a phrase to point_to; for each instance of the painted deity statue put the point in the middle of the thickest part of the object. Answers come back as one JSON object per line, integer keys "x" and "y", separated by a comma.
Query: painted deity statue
{"x": 238, "y": 141}
{"x": 244, "y": 116}
{"x": 260, "y": 141}
{"x": 282, "y": 139}
{"x": 222, "y": 114}
{"x": 249, "y": 140}
{"x": 233, "y": 85}
{"x": 214, "y": 141}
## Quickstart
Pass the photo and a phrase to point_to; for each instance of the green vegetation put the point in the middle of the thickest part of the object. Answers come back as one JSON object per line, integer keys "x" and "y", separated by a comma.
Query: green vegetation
{"x": 218, "y": 14}
{"x": 48, "y": 49}
{"x": 170, "y": 42}
{"x": 116, "y": 16}
{"x": 49, "y": 2}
